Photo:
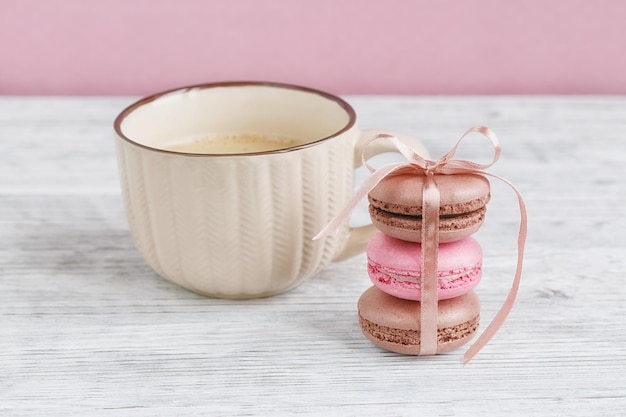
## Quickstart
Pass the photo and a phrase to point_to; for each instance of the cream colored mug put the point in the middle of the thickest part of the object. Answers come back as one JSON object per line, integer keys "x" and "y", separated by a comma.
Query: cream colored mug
{"x": 225, "y": 184}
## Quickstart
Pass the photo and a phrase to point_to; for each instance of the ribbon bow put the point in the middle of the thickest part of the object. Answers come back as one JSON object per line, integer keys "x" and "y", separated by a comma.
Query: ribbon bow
{"x": 430, "y": 228}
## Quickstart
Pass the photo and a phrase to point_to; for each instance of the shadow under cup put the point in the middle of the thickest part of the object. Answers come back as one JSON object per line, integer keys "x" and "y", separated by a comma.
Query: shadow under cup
{"x": 236, "y": 225}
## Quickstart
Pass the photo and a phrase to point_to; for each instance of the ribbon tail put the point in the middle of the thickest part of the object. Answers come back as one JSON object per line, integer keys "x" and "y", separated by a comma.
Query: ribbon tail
{"x": 504, "y": 311}
{"x": 367, "y": 186}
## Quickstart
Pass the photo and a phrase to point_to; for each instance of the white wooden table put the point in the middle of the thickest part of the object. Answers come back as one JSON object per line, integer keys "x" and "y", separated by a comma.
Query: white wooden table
{"x": 87, "y": 329}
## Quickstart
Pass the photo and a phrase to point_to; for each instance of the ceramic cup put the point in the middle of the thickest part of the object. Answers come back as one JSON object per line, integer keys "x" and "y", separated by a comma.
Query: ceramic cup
{"x": 239, "y": 224}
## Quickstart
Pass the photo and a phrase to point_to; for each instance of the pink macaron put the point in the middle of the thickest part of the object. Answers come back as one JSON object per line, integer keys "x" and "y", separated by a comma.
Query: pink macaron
{"x": 395, "y": 266}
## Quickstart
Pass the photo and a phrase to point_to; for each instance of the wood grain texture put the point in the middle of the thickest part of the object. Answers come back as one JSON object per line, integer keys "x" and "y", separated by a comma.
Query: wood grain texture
{"x": 88, "y": 329}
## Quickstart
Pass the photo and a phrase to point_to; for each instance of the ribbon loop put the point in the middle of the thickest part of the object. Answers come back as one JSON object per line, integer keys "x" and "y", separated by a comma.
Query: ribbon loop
{"x": 445, "y": 165}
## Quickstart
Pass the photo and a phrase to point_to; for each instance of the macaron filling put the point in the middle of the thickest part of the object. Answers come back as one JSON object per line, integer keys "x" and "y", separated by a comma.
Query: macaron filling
{"x": 406, "y": 284}
{"x": 412, "y": 337}
{"x": 446, "y": 210}
{"x": 414, "y": 221}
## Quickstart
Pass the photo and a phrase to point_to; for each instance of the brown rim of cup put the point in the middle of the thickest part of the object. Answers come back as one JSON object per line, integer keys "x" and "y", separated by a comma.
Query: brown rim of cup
{"x": 342, "y": 103}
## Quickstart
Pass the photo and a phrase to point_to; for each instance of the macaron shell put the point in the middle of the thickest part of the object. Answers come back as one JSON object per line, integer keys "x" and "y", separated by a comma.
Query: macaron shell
{"x": 402, "y": 194}
{"x": 395, "y": 266}
{"x": 394, "y": 324}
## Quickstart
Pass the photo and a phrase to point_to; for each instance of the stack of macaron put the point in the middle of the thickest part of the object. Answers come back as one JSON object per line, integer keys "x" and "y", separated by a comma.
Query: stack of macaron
{"x": 389, "y": 311}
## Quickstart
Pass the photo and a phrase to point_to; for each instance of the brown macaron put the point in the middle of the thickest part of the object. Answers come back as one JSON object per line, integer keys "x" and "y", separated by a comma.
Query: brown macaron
{"x": 396, "y": 205}
{"x": 394, "y": 324}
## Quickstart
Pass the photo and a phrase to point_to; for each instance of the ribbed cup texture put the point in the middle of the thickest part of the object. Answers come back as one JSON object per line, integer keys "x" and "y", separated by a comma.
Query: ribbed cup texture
{"x": 236, "y": 227}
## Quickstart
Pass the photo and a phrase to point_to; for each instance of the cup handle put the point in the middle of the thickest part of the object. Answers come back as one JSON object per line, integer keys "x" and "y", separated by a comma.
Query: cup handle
{"x": 359, "y": 236}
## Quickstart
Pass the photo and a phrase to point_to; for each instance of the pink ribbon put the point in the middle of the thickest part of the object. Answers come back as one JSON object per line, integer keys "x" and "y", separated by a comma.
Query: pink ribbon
{"x": 430, "y": 228}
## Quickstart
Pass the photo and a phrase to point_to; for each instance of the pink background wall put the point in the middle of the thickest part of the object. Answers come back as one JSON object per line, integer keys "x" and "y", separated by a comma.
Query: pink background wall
{"x": 135, "y": 47}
